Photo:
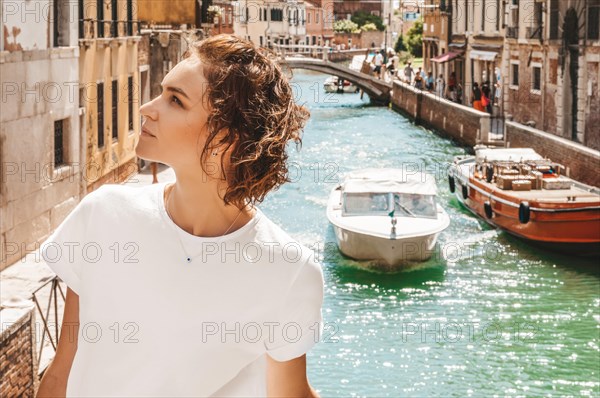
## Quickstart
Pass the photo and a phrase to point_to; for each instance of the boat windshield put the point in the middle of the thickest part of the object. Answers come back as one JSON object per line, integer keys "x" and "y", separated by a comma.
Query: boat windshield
{"x": 415, "y": 205}
{"x": 361, "y": 203}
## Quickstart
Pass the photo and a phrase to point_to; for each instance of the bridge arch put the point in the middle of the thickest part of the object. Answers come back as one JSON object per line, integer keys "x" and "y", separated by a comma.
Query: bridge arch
{"x": 378, "y": 90}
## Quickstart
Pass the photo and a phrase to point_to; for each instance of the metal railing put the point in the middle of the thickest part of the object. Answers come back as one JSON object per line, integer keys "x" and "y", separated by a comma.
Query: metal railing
{"x": 302, "y": 49}
{"x": 44, "y": 314}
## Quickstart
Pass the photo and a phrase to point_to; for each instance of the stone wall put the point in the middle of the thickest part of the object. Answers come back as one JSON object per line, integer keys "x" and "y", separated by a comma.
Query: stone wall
{"x": 465, "y": 125}
{"x": 583, "y": 162}
{"x": 18, "y": 359}
{"x": 40, "y": 88}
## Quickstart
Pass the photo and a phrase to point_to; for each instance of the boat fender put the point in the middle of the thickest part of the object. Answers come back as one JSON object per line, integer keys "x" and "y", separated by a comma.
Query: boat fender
{"x": 465, "y": 192}
{"x": 524, "y": 212}
{"x": 487, "y": 208}
{"x": 489, "y": 173}
{"x": 451, "y": 184}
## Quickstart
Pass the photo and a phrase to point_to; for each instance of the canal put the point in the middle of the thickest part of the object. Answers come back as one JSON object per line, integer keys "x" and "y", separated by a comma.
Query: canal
{"x": 487, "y": 315}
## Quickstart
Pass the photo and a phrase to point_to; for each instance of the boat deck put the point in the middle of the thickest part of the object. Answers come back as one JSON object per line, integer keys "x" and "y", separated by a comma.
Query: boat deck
{"x": 540, "y": 195}
{"x": 548, "y": 195}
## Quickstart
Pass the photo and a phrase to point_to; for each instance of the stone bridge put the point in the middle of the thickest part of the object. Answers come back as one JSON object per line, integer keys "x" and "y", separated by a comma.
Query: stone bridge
{"x": 378, "y": 90}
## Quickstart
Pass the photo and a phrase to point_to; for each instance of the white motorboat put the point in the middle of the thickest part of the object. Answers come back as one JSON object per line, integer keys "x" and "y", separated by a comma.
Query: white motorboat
{"x": 388, "y": 216}
{"x": 333, "y": 84}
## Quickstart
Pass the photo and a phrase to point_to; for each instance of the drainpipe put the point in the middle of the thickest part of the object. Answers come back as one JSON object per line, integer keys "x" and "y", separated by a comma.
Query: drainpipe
{"x": 543, "y": 71}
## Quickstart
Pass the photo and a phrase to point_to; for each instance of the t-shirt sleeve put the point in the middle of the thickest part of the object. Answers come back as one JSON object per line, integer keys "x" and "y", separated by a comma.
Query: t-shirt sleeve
{"x": 62, "y": 250}
{"x": 301, "y": 321}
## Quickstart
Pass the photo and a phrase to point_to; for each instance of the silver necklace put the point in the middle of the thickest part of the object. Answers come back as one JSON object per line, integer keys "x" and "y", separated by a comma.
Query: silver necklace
{"x": 189, "y": 259}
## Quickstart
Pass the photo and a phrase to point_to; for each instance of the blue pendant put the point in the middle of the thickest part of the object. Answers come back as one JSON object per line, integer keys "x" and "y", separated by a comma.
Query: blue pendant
{"x": 189, "y": 260}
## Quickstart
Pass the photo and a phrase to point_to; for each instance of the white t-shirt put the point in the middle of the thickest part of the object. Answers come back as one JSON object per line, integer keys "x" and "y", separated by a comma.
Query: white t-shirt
{"x": 152, "y": 324}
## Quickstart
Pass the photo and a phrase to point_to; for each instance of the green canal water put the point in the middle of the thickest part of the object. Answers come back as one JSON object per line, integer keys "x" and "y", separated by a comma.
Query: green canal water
{"x": 488, "y": 315}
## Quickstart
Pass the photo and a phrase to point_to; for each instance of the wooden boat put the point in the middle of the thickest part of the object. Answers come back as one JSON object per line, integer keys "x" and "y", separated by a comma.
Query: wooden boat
{"x": 517, "y": 190}
{"x": 386, "y": 216}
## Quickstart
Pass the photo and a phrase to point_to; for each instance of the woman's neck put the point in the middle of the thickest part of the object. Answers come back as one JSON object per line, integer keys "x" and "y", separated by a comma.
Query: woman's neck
{"x": 196, "y": 210}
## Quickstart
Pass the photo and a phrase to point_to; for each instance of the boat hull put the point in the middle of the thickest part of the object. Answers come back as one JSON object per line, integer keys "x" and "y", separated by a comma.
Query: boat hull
{"x": 379, "y": 251}
{"x": 555, "y": 224}
{"x": 385, "y": 254}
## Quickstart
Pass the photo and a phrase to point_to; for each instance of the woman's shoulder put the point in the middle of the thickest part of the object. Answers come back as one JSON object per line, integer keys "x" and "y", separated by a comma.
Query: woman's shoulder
{"x": 111, "y": 196}
{"x": 281, "y": 244}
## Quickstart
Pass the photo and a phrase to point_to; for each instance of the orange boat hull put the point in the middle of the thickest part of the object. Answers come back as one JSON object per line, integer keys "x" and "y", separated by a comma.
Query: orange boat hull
{"x": 564, "y": 226}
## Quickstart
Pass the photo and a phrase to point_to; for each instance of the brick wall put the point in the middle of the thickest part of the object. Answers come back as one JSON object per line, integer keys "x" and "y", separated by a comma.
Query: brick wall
{"x": 18, "y": 359}
{"x": 583, "y": 162}
{"x": 360, "y": 40}
{"x": 465, "y": 125}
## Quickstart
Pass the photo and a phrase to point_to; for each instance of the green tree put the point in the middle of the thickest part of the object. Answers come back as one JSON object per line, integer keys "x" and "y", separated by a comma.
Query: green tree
{"x": 414, "y": 38}
{"x": 362, "y": 18}
{"x": 400, "y": 46}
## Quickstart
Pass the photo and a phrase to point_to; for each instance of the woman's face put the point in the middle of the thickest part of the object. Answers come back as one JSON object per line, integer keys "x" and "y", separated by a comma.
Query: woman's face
{"x": 176, "y": 119}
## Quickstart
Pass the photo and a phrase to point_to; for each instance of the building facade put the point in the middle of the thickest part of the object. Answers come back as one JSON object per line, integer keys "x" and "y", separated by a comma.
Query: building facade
{"x": 435, "y": 37}
{"x": 271, "y": 23}
{"x": 477, "y": 31}
{"x": 553, "y": 67}
{"x": 344, "y": 9}
{"x": 110, "y": 89}
{"x": 72, "y": 69}
{"x": 319, "y": 22}
{"x": 42, "y": 135}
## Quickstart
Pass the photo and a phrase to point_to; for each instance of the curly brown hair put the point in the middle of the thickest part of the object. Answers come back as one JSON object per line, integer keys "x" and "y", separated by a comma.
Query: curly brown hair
{"x": 251, "y": 100}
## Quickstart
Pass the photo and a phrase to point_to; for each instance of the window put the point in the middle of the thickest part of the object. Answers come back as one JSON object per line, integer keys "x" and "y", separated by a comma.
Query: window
{"x": 115, "y": 109}
{"x": 514, "y": 74}
{"x": 81, "y": 16}
{"x": 131, "y": 101}
{"x": 264, "y": 14}
{"x": 58, "y": 142}
{"x": 276, "y": 15}
{"x": 129, "y": 18}
{"x": 366, "y": 203}
{"x": 593, "y": 27}
{"x": 308, "y": 17}
{"x": 317, "y": 17}
{"x": 114, "y": 17}
{"x": 60, "y": 26}
{"x": 554, "y": 16}
{"x": 466, "y": 15}
{"x": 414, "y": 205}
{"x": 536, "y": 79}
{"x": 483, "y": 15}
{"x": 100, "y": 17}
{"x": 100, "y": 110}
{"x": 498, "y": 7}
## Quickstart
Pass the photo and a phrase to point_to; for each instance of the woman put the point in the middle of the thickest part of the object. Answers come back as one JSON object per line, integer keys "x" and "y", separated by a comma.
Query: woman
{"x": 196, "y": 292}
{"x": 419, "y": 80}
{"x": 486, "y": 99}
{"x": 477, "y": 98}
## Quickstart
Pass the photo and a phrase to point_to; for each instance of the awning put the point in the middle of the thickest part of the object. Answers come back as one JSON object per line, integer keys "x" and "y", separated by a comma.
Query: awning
{"x": 483, "y": 55}
{"x": 449, "y": 56}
